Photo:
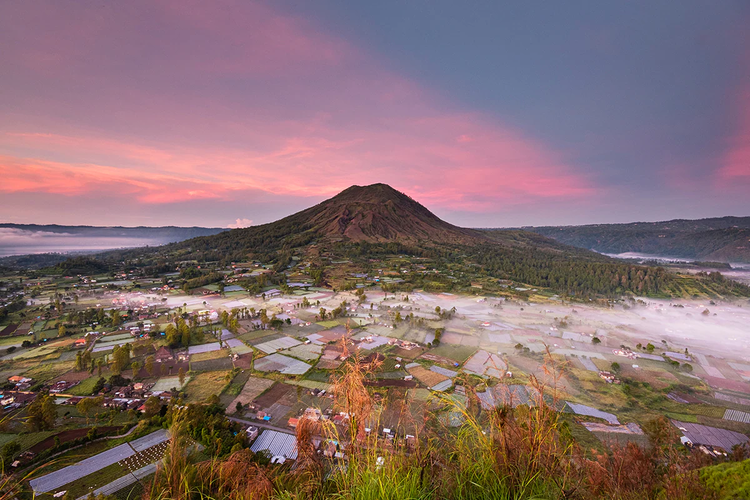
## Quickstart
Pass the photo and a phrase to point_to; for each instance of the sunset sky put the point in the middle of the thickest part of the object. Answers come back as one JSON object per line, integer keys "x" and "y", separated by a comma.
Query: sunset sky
{"x": 236, "y": 113}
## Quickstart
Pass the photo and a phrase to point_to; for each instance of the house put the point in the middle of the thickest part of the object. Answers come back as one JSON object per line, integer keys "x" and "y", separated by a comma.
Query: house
{"x": 80, "y": 343}
{"x": 163, "y": 355}
{"x": 252, "y": 432}
{"x": 609, "y": 377}
{"x": 18, "y": 380}
{"x": 312, "y": 414}
{"x": 293, "y": 422}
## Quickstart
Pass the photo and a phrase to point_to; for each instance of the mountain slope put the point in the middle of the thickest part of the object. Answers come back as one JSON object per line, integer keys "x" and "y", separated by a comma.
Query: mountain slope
{"x": 725, "y": 239}
{"x": 360, "y": 214}
{"x": 379, "y": 213}
{"x": 363, "y": 225}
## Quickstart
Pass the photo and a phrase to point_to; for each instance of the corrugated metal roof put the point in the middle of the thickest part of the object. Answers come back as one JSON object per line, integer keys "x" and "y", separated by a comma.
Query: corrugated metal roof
{"x": 713, "y": 436}
{"x": 277, "y": 443}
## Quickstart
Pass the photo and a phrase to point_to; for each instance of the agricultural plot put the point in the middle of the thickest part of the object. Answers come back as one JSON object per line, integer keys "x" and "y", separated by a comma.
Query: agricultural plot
{"x": 456, "y": 353}
{"x": 371, "y": 342}
{"x": 500, "y": 338}
{"x": 737, "y": 416}
{"x": 631, "y": 428}
{"x": 485, "y": 364}
{"x": 279, "y": 344}
{"x": 253, "y": 388}
{"x": 443, "y": 371}
{"x": 238, "y": 347}
{"x": 328, "y": 364}
{"x": 221, "y": 363}
{"x": 107, "y": 346}
{"x": 592, "y": 412}
{"x": 144, "y": 456}
{"x": 93, "y": 464}
{"x": 442, "y": 386}
{"x": 588, "y": 364}
{"x": 205, "y": 356}
{"x": 427, "y": 377}
{"x": 204, "y": 385}
{"x": 712, "y": 436}
{"x": 166, "y": 384}
{"x": 196, "y": 349}
{"x": 307, "y": 352}
{"x": 507, "y": 395}
{"x": 123, "y": 482}
{"x": 310, "y": 384}
{"x": 282, "y": 364}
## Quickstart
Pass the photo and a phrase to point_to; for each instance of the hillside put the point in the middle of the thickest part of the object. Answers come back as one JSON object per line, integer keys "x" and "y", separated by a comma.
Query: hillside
{"x": 725, "y": 239}
{"x": 29, "y": 239}
{"x": 375, "y": 214}
{"x": 364, "y": 225}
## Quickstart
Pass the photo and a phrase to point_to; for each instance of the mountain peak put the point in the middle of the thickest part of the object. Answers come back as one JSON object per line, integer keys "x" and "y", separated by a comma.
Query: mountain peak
{"x": 373, "y": 193}
{"x": 379, "y": 213}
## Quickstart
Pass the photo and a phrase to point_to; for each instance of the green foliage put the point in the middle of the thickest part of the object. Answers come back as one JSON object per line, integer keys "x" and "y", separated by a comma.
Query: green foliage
{"x": 41, "y": 413}
{"x": 729, "y": 480}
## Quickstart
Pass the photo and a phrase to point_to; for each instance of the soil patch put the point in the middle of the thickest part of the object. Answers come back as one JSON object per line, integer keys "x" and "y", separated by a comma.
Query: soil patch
{"x": 72, "y": 435}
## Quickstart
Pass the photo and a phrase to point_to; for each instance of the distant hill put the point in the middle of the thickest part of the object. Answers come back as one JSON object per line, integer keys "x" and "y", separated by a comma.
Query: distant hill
{"x": 724, "y": 239}
{"x": 25, "y": 239}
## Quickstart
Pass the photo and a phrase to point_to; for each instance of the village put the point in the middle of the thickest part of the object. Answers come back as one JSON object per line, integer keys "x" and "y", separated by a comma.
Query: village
{"x": 116, "y": 353}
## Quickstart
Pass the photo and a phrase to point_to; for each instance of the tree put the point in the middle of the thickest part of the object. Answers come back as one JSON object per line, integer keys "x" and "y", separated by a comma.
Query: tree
{"x": 99, "y": 364}
{"x": 42, "y": 413}
{"x": 615, "y": 367}
{"x": 79, "y": 362}
{"x": 88, "y": 405}
{"x": 86, "y": 360}
{"x": 706, "y": 312}
{"x": 181, "y": 374}
{"x": 596, "y": 340}
{"x": 152, "y": 406}
{"x": 149, "y": 365}
{"x": 116, "y": 317}
{"x": 61, "y": 331}
{"x": 650, "y": 347}
{"x": 136, "y": 367}
{"x": 172, "y": 335}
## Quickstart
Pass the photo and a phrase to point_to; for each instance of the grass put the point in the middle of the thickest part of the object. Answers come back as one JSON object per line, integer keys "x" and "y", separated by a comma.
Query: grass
{"x": 458, "y": 353}
{"x": 6, "y": 341}
{"x": 85, "y": 387}
{"x": 47, "y": 371}
{"x": 204, "y": 385}
{"x": 7, "y": 438}
{"x": 88, "y": 484}
{"x": 205, "y": 356}
{"x": 730, "y": 480}
{"x": 328, "y": 324}
{"x": 29, "y": 439}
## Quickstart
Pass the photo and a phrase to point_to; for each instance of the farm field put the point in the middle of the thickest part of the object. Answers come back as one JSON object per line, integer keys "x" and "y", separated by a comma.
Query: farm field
{"x": 204, "y": 385}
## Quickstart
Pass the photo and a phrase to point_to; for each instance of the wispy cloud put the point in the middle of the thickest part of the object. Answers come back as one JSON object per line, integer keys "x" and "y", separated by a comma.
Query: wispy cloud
{"x": 234, "y": 97}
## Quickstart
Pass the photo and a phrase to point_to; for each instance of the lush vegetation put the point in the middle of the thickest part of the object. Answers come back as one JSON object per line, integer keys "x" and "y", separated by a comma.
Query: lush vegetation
{"x": 522, "y": 453}
{"x": 723, "y": 239}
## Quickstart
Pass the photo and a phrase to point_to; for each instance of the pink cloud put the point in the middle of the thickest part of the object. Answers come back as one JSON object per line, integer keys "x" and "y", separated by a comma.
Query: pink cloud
{"x": 736, "y": 165}
{"x": 235, "y": 97}
{"x": 240, "y": 223}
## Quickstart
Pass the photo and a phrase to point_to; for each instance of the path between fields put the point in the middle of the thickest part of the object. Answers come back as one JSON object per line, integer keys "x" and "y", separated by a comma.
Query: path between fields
{"x": 261, "y": 425}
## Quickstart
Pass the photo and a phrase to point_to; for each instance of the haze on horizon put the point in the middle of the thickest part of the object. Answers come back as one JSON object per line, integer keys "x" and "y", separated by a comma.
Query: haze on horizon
{"x": 237, "y": 113}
